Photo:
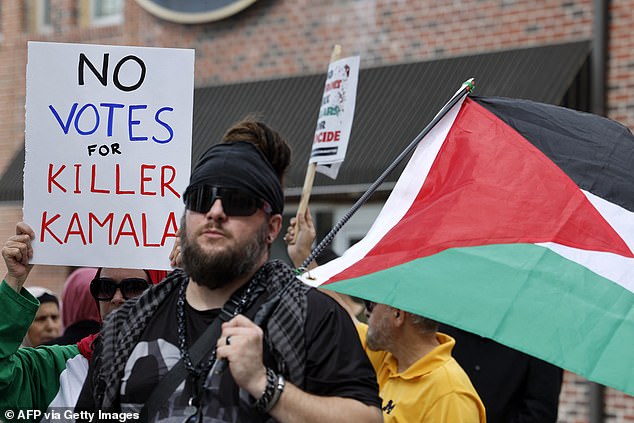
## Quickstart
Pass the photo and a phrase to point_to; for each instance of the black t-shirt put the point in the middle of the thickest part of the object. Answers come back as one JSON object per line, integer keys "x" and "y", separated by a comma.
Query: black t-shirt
{"x": 336, "y": 364}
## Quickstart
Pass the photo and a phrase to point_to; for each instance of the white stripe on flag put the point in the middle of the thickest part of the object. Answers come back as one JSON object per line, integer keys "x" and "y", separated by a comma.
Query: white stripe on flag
{"x": 400, "y": 200}
{"x": 612, "y": 266}
{"x": 620, "y": 219}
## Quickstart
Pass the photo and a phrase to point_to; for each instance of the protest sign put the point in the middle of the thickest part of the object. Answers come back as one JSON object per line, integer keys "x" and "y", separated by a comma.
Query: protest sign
{"x": 335, "y": 116}
{"x": 108, "y": 152}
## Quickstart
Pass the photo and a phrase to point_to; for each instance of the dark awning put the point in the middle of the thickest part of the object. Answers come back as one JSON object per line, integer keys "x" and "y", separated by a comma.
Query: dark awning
{"x": 394, "y": 103}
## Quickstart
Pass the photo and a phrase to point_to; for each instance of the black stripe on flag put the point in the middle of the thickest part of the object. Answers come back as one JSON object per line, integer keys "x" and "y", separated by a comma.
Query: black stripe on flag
{"x": 595, "y": 152}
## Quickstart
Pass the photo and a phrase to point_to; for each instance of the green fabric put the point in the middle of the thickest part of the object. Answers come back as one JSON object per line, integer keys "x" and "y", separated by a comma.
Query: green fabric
{"x": 522, "y": 290}
{"x": 29, "y": 377}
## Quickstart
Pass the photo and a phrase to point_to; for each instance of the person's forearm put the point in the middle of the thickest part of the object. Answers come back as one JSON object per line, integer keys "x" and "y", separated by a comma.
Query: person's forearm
{"x": 296, "y": 405}
{"x": 17, "y": 252}
{"x": 299, "y": 254}
{"x": 15, "y": 283}
{"x": 29, "y": 377}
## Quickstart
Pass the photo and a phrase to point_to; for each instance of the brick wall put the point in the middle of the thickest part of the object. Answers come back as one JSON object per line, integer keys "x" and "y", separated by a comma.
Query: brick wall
{"x": 621, "y": 63}
{"x": 573, "y": 400}
{"x": 278, "y": 38}
{"x": 11, "y": 84}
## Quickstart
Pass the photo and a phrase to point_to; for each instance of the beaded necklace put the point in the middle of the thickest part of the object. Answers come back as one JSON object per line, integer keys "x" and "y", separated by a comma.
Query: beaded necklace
{"x": 236, "y": 304}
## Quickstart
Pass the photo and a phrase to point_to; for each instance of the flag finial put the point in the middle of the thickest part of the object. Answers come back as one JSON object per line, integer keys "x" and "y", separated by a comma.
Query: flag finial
{"x": 469, "y": 84}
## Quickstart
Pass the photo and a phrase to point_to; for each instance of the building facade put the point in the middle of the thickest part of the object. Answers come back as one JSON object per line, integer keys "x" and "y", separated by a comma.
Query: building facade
{"x": 272, "y": 39}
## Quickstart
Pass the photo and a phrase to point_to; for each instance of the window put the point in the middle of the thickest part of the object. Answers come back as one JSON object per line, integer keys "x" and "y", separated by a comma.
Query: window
{"x": 103, "y": 12}
{"x": 44, "y": 22}
{"x": 39, "y": 16}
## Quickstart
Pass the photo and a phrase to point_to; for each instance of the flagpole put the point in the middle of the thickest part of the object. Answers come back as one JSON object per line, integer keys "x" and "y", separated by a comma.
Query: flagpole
{"x": 312, "y": 167}
{"x": 465, "y": 89}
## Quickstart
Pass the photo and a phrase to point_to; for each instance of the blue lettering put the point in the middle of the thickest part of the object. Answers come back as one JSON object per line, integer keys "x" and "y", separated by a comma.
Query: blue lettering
{"x": 111, "y": 107}
{"x": 79, "y": 115}
{"x": 65, "y": 127}
{"x": 86, "y": 120}
{"x": 132, "y": 122}
{"x": 164, "y": 124}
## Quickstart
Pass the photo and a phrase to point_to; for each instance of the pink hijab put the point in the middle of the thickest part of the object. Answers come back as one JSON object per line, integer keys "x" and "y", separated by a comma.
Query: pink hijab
{"x": 77, "y": 302}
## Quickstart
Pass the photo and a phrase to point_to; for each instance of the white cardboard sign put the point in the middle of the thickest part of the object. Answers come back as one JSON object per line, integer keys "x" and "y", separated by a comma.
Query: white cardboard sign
{"x": 335, "y": 116}
{"x": 108, "y": 152}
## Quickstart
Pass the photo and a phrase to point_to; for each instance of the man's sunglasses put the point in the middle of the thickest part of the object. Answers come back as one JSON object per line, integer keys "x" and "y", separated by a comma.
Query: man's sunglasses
{"x": 369, "y": 305}
{"x": 103, "y": 289}
{"x": 234, "y": 202}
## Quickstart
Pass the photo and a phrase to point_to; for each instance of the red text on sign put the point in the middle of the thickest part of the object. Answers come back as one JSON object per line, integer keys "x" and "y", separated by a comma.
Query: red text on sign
{"x": 328, "y": 136}
{"x": 55, "y": 228}
{"x": 151, "y": 180}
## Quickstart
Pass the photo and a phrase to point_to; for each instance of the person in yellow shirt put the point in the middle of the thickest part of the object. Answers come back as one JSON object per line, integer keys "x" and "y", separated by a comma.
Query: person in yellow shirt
{"x": 419, "y": 380}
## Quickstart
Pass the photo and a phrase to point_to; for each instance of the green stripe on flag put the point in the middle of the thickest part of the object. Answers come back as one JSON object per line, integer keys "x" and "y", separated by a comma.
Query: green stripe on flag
{"x": 522, "y": 295}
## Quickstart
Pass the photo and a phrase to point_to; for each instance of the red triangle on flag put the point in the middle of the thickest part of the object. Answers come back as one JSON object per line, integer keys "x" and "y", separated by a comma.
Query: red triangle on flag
{"x": 489, "y": 185}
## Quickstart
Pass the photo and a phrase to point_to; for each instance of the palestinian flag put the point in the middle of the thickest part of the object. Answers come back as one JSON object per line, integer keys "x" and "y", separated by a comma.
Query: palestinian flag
{"x": 513, "y": 220}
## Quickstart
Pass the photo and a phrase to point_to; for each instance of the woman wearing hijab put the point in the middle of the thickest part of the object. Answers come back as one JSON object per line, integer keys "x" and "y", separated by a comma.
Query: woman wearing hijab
{"x": 46, "y": 324}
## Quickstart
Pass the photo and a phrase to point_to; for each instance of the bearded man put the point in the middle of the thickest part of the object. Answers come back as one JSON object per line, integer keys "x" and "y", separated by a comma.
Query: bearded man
{"x": 285, "y": 352}
{"x": 419, "y": 380}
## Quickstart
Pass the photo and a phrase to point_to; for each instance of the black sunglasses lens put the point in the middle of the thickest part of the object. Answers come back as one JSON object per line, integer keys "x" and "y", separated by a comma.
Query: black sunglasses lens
{"x": 133, "y": 287}
{"x": 199, "y": 199}
{"x": 103, "y": 289}
{"x": 369, "y": 305}
{"x": 236, "y": 203}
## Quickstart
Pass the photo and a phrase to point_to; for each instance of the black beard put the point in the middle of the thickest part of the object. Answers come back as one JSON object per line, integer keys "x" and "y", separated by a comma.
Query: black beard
{"x": 221, "y": 268}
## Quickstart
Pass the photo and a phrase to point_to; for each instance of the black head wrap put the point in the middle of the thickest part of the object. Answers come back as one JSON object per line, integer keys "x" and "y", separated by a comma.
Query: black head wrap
{"x": 239, "y": 165}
